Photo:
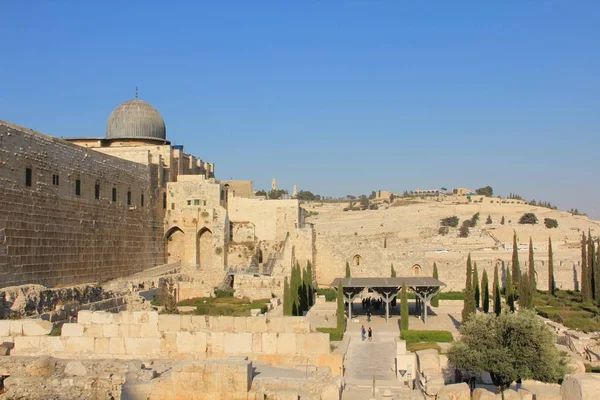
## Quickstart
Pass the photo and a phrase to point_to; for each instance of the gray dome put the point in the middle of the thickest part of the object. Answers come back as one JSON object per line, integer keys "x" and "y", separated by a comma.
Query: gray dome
{"x": 136, "y": 119}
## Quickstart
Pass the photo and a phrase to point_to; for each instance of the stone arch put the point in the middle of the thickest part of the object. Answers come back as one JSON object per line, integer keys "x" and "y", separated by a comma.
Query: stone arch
{"x": 416, "y": 270}
{"x": 204, "y": 248}
{"x": 357, "y": 260}
{"x": 175, "y": 245}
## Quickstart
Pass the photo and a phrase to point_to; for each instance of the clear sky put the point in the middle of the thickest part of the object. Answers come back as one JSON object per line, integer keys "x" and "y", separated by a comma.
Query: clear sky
{"x": 338, "y": 97}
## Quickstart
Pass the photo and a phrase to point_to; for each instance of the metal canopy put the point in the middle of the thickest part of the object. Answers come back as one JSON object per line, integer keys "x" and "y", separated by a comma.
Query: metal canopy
{"x": 410, "y": 281}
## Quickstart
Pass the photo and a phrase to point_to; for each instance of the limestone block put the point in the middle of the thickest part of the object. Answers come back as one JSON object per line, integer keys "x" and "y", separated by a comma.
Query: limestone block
{"x": 80, "y": 345}
{"x": 102, "y": 317}
{"x": 256, "y": 324}
{"x": 331, "y": 392}
{"x": 149, "y": 331}
{"x": 286, "y": 343}
{"x": 238, "y": 343}
{"x": 110, "y": 330}
{"x": 75, "y": 368}
{"x": 37, "y": 327}
{"x": 434, "y": 384}
{"x": 458, "y": 391}
{"x": 198, "y": 323}
{"x": 483, "y": 394}
{"x": 84, "y": 317}
{"x": 101, "y": 345}
{"x": 143, "y": 317}
{"x": 72, "y": 330}
{"x": 142, "y": 346}
{"x": 126, "y": 317}
{"x": 52, "y": 344}
{"x": 222, "y": 324}
{"x": 217, "y": 342}
{"x": 239, "y": 325}
{"x": 130, "y": 331}
{"x": 186, "y": 323}
{"x": 168, "y": 343}
{"x": 401, "y": 347}
{"x": 428, "y": 359}
{"x": 43, "y": 366}
{"x": 509, "y": 395}
{"x": 525, "y": 394}
{"x": 256, "y": 342}
{"x": 577, "y": 386}
{"x": 190, "y": 342}
{"x": 16, "y": 328}
{"x": 575, "y": 365}
{"x": 116, "y": 346}
{"x": 276, "y": 324}
{"x": 296, "y": 325}
{"x": 94, "y": 330}
{"x": 169, "y": 323}
{"x": 4, "y": 327}
{"x": 269, "y": 343}
{"x": 4, "y": 350}
{"x": 26, "y": 344}
{"x": 255, "y": 312}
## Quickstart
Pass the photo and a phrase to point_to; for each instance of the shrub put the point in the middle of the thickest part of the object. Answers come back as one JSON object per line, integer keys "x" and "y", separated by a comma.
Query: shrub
{"x": 426, "y": 336}
{"x": 219, "y": 293}
{"x": 450, "y": 221}
{"x": 423, "y": 346}
{"x": 329, "y": 293}
{"x": 444, "y": 230}
{"x": 550, "y": 223}
{"x": 335, "y": 334}
{"x": 528, "y": 218}
{"x": 464, "y": 229}
{"x": 452, "y": 295}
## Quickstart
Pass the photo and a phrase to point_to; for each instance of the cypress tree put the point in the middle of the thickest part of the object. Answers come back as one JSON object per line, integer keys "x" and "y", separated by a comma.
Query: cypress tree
{"x": 310, "y": 285}
{"x": 532, "y": 283}
{"x": 287, "y": 299}
{"x": 476, "y": 289}
{"x": 516, "y": 267}
{"x": 502, "y": 220}
{"x": 488, "y": 220}
{"x": 469, "y": 303}
{"x": 294, "y": 286}
{"x": 497, "y": 298}
{"x": 341, "y": 317}
{"x": 551, "y": 285}
{"x": 348, "y": 274}
{"x": 525, "y": 297}
{"x": 485, "y": 292}
{"x": 404, "y": 309}
{"x": 585, "y": 286}
{"x": 435, "y": 300}
{"x": 597, "y": 275}
{"x": 591, "y": 265}
{"x": 393, "y": 273}
{"x": 510, "y": 293}
{"x": 302, "y": 292}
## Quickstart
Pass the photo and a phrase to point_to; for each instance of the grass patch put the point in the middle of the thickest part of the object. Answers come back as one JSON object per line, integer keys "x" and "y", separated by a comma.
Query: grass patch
{"x": 444, "y": 296}
{"x": 329, "y": 293}
{"x": 229, "y": 306}
{"x": 569, "y": 309}
{"x": 335, "y": 334}
{"x": 56, "y": 331}
{"x": 412, "y": 337}
{"x": 423, "y": 346}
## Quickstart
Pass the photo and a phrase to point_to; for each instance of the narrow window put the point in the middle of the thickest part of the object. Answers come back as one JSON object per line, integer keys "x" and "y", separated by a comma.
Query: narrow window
{"x": 189, "y": 202}
{"x": 114, "y": 197}
{"x": 78, "y": 187}
{"x": 204, "y": 203}
{"x": 56, "y": 180}
{"x": 97, "y": 191}
{"x": 142, "y": 200}
{"x": 172, "y": 206}
{"x": 129, "y": 198}
{"x": 196, "y": 202}
{"x": 165, "y": 201}
{"x": 27, "y": 176}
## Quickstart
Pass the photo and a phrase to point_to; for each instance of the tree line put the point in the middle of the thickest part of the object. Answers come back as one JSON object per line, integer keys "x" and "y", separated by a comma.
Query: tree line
{"x": 298, "y": 293}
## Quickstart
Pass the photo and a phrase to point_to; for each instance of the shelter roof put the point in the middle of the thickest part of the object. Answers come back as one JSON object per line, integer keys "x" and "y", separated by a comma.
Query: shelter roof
{"x": 410, "y": 281}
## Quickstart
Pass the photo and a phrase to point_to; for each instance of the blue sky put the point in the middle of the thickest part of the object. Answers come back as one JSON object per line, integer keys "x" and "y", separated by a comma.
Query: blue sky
{"x": 338, "y": 97}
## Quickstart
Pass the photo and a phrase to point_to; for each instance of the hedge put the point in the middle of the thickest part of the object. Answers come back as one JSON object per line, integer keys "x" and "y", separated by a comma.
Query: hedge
{"x": 329, "y": 293}
{"x": 426, "y": 336}
{"x": 335, "y": 334}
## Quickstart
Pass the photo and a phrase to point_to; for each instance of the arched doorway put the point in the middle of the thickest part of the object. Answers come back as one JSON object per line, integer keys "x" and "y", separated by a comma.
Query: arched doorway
{"x": 204, "y": 248}
{"x": 416, "y": 270}
{"x": 175, "y": 245}
{"x": 357, "y": 260}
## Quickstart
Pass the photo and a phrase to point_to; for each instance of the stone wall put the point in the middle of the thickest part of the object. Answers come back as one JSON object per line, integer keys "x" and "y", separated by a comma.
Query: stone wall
{"x": 146, "y": 334}
{"x": 49, "y": 234}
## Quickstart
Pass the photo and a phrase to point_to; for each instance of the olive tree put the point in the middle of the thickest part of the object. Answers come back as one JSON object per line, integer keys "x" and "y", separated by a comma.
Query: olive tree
{"x": 509, "y": 347}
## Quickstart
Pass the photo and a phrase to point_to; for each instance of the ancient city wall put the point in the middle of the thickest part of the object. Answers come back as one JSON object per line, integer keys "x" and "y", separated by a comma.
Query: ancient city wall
{"x": 272, "y": 219}
{"x": 58, "y": 227}
{"x": 146, "y": 334}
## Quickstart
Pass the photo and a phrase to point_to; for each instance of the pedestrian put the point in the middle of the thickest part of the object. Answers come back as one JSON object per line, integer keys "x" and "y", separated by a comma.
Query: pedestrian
{"x": 369, "y": 316}
{"x": 363, "y": 333}
{"x": 370, "y": 334}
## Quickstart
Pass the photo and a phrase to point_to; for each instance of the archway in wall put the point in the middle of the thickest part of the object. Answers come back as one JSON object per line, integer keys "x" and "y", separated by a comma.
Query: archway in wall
{"x": 416, "y": 270}
{"x": 175, "y": 245}
{"x": 357, "y": 260}
{"x": 204, "y": 248}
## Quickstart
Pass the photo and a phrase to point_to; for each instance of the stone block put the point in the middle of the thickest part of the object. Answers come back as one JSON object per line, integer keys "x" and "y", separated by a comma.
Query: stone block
{"x": 75, "y": 368}
{"x": 428, "y": 359}
{"x": 145, "y": 317}
{"x": 110, "y": 330}
{"x": 43, "y": 366}
{"x": 37, "y": 327}
{"x": 286, "y": 343}
{"x": 126, "y": 317}
{"x": 169, "y": 323}
{"x": 238, "y": 343}
{"x": 296, "y": 325}
{"x": 401, "y": 347}
{"x": 186, "y": 323}
{"x": 190, "y": 342}
{"x": 239, "y": 325}
{"x": 222, "y": 324}
{"x": 525, "y": 394}
{"x": 116, "y": 346}
{"x": 102, "y": 317}
{"x": 276, "y": 324}
{"x": 256, "y": 324}
{"x": 509, "y": 394}
{"x": 256, "y": 342}
{"x": 269, "y": 343}
{"x": 217, "y": 342}
{"x": 168, "y": 343}
{"x": 483, "y": 394}
{"x": 255, "y": 312}
{"x": 331, "y": 392}
{"x": 80, "y": 345}
{"x": 16, "y": 328}
{"x": 101, "y": 345}
{"x": 72, "y": 330}
{"x": 312, "y": 343}
{"x": 84, "y": 317}
{"x": 458, "y": 391}
{"x": 26, "y": 344}
{"x": 52, "y": 344}
{"x": 142, "y": 346}
{"x": 577, "y": 386}
{"x": 94, "y": 330}
{"x": 130, "y": 331}
{"x": 198, "y": 323}
{"x": 4, "y": 327}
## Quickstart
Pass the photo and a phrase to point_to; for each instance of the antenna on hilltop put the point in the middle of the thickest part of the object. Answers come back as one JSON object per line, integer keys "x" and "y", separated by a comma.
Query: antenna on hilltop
{"x": 136, "y": 93}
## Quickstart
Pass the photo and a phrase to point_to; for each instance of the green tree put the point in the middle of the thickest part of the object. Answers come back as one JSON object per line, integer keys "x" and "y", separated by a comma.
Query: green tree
{"x": 510, "y": 293}
{"x": 435, "y": 300}
{"x": 597, "y": 275}
{"x": 287, "y": 298}
{"x": 532, "y": 283}
{"x": 502, "y": 220}
{"x": 497, "y": 297}
{"x": 591, "y": 265}
{"x": 525, "y": 293}
{"x": 488, "y": 220}
{"x": 485, "y": 191}
{"x": 476, "y": 287}
{"x": 516, "y": 267}
{"x": 341, "y": 315}
{"x": 509, "y": 347}
{"x": 550, "y": 223}
{"x": 348, "y": 274}
{"x": 167, "y": 297}
{"x": 310, "y": 284}
{"x": 485, "y": 292}
{"x": 551, "y": 285}
{"x": 385, "y": 243}
{"x": 404, "y": 309}
{"x": 528, "y": 218}
{"x": 585, "y": 284}
{"x": 469, "y": 302}
{"x": 393, "y": 273}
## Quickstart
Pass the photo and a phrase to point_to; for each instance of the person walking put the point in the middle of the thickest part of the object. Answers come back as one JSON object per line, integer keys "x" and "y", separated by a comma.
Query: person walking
{"x": 363, "y": 333}
{"x": 369, "y": 316}
{"x": 370, "y": 334}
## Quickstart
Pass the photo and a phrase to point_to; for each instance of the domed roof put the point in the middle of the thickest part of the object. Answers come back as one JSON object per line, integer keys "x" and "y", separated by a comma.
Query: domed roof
{"x": 136, "y": 119}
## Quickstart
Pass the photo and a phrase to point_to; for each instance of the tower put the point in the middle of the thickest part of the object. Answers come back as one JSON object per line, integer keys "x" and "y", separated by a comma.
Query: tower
{"x": 274, "y": 184}
{"x": 295, "y": 191}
